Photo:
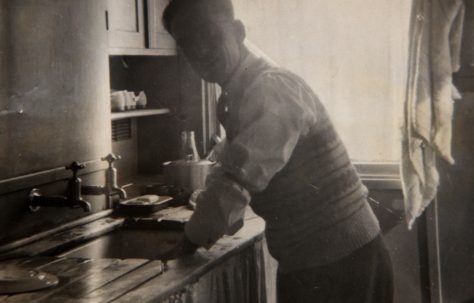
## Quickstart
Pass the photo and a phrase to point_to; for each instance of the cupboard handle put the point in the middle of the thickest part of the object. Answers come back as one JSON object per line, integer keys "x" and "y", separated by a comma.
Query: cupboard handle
{"x": 107, "y": 20}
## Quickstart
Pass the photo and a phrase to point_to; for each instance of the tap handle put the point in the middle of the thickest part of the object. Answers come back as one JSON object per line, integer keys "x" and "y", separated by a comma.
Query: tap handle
{"x": 75, "y": 167}
{"x": 111, "y": 158}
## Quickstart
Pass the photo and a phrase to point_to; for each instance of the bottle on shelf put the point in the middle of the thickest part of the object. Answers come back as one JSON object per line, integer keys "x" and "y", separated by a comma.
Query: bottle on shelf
{"x": 188, "y": 147}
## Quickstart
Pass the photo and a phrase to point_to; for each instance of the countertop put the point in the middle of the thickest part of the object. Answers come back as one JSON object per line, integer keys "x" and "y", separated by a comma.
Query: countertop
{"x": 129, "y": 280}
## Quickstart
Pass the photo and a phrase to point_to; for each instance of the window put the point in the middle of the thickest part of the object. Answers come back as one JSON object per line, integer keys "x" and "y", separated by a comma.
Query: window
{"x": 352, "y": 53}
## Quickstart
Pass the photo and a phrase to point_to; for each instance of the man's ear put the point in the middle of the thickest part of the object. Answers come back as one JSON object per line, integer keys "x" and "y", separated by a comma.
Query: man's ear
{"x": 239, "y": 30}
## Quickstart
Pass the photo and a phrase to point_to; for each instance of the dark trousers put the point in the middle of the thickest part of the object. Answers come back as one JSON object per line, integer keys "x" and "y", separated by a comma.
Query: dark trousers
{"x": 365, "y": 276}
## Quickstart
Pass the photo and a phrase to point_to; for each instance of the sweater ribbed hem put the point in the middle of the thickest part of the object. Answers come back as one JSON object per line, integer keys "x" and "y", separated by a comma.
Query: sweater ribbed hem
{"x": 329, "y": 245}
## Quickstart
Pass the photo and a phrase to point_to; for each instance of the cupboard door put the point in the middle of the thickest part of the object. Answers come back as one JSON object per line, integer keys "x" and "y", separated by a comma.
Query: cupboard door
{"x": 158, "y": 37}
{"x": 125, "y": 23}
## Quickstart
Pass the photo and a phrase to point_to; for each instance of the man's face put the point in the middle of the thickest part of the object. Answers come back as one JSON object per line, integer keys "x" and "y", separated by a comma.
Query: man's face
{"x": 212, "y": 48}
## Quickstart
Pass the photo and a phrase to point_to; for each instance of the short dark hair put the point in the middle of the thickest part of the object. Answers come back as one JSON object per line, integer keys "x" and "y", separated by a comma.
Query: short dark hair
{"x": 215, "y": 9}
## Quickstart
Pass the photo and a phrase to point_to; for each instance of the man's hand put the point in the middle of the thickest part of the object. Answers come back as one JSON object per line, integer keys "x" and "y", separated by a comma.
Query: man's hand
{"x": 183, "y": 248}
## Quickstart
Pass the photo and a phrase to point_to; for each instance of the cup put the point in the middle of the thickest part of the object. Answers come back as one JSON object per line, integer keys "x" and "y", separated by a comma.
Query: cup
{"x": 126, "y": 98}
{"x": 141, "y": 100}
{"x": 117, "y": 101}
{"x": 132, "y": 104}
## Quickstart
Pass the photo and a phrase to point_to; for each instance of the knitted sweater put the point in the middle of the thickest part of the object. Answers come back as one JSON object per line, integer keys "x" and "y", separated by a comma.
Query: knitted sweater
{"x": 284, "y": 155}
{"x": 315, "y": 208}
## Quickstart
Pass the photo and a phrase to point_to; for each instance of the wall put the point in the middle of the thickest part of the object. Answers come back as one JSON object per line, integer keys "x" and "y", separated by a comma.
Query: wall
{"x": 56, "y": 52}
{"x": 456, "y": 192}
{"x": 464, "y": 79}
{"x": 456, "y": 208}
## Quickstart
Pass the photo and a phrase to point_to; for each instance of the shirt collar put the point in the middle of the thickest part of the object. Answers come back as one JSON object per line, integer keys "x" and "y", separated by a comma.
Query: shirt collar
{"x": 247, "y": 67}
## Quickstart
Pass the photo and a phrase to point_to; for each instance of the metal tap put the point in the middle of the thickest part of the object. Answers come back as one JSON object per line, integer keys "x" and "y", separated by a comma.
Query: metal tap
{"x": 73, "y": 199}
{"x": 111, "y": 188}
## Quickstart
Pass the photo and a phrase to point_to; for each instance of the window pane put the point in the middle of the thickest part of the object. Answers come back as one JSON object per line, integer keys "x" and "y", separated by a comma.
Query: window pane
{"x": 352, "y": 53}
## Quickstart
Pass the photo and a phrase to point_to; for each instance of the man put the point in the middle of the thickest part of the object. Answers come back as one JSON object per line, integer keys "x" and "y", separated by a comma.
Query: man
{"x": 284, "y": 158}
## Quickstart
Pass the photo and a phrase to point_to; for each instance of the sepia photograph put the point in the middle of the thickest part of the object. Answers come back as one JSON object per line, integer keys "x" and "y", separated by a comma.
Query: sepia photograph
{"x": 236, "y": 151}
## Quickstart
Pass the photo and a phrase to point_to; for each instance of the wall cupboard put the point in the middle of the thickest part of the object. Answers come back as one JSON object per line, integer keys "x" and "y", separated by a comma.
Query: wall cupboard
{"x": 135, "y": 28}
{"x": 125, "y": 23}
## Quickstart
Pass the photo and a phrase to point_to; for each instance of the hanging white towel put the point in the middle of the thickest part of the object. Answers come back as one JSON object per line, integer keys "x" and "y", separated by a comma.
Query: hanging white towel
{"x": 436, "y": 32}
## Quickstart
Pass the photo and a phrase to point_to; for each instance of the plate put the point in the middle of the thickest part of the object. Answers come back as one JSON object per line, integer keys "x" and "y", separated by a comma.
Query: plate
{"x": 144, "y": 205}
{"x": 14, "y": 279}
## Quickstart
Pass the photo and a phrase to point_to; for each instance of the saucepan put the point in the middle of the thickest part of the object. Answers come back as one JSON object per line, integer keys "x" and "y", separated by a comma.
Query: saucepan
{"x": 188, "y": 175}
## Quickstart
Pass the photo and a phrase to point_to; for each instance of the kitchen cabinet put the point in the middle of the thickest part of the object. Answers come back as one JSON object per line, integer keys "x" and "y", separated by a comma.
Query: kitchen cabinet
{"x": 158, "y": 36}
{"x": 135, "y": 28}
{"x": 169, "y": 83}
{"x": 146, "y": 141}
{"x": 125, "y": 132}
{"x": 125, "y": 23}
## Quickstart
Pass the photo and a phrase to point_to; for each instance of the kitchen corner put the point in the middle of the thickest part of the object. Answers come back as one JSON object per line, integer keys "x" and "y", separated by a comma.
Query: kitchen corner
{"x": 62, "y": 64}
{"x": 238, "y": 258}
{"x": 59, "y": 66}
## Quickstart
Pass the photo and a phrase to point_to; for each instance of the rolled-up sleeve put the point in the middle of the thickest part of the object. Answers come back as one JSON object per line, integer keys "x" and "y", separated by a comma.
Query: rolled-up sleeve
{"x": 271, "y": 118}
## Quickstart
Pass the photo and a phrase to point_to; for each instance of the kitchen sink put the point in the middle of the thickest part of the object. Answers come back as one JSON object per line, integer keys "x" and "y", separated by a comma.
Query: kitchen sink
{"x": 114, "y": 237}
{"x": 127, "y": 243}
{"x": 143, "y": 240}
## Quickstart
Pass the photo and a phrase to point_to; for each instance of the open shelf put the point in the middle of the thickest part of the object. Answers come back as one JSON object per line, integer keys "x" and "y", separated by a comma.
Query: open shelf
{"x": 115, "y": 51}
{"x": 139, "y": 113}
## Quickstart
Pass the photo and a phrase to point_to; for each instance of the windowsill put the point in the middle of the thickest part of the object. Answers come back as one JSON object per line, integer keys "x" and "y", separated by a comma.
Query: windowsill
{"x": 380, "y": 175}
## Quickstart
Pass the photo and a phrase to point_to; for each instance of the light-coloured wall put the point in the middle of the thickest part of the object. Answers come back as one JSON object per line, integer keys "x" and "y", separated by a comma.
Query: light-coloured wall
{"x": 54, "y": 67}
{"x": 58, "y": 76}
{"x": 352, "y": 53}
